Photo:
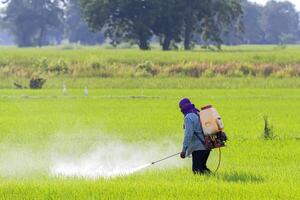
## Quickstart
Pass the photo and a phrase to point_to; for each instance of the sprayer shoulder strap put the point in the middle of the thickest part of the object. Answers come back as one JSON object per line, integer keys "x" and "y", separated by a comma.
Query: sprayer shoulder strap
{"x": 196, "y": 133}
{"x": 202, "y": 142}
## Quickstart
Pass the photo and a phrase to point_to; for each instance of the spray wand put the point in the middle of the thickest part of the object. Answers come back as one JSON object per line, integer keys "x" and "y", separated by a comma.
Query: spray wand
{"x": 153, "y": 163}
{"x": 171, "y": 156}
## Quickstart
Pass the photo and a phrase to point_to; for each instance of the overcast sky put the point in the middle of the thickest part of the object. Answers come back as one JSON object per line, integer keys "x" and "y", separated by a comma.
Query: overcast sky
{"x": 263, "y": 2}
{"x": 295, "y": 2}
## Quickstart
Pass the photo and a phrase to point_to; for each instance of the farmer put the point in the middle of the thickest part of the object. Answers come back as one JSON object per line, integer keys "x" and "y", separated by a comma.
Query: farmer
{"x": 193, "y": 138}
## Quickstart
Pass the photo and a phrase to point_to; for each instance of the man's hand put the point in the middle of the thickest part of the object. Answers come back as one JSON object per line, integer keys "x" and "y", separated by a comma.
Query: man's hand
{"x": 182, "y": 155}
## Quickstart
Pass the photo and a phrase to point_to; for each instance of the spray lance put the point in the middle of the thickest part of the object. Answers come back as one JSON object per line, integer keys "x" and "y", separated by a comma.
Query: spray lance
{"x": 171, "y": 156}
{"x": 166, "y": 158}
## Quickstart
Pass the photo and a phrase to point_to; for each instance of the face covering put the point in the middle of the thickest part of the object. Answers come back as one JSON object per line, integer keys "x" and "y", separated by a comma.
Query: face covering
{"x": 187, "y": 107}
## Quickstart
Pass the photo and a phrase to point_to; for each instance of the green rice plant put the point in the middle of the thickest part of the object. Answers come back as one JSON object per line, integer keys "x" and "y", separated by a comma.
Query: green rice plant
{"x": 40, "y": 126}
{"x": 268, "y": 129}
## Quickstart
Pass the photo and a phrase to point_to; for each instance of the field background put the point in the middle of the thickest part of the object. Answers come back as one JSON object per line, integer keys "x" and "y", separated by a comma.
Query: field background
{"x": 82, "y": 62}
{"x": 143, "y": 110}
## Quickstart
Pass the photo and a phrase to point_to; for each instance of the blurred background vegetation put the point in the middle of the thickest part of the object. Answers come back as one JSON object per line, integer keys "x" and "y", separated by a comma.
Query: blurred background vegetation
{"x": 173, "y": 24}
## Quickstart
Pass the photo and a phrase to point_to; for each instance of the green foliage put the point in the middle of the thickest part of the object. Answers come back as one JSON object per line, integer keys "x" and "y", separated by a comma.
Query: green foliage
{"x": 280, "y": 22}
{"x": 208, "y": 73}
{"x": 219, "y": 15}
{"x": 247, "y": 70}
{"x": 58, "y": 67}
{"x": 288, "y": 38}
{"x": 253, "y": 32}
{"x": 77, "y": 29}
{"x": 169, "y": 20}
{"x": 36, "y": 22}
{"x": 275, "y": 23}
{"x": 268, "y": 129}
{"x": 123, "y": 21}
{"x": 147, "y": 68}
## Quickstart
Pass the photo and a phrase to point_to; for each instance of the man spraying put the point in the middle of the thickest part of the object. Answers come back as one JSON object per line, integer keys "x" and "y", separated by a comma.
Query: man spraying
{"x": 194, "y": 138}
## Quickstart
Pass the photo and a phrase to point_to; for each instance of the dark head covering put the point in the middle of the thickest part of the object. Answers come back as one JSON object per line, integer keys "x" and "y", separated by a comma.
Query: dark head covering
{"x": 187, "y": 107}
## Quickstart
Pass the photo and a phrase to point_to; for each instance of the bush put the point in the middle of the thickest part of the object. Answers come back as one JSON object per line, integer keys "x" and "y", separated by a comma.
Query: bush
{"x": 295, "y": 71}
{"x": 247, "y": 70}
{"x": 147, "y": 68}
{"x": 236, "y": 73}
{"x": 41, "y": 63}
{"x": 223, "y": 69}
{"x": 209, "y": 73}
{"x": 142, "y": 74}
{"x": 175, "y": 71}
{"x": 283, "y": 73}
{"x": 58, "y": 67}
{"x": 268, "y": 130}
{"x": 193, "y": 71}
{"x": 36, "y": 83}
{"x": 96, "y": 66}
{"x": 267, "y": 71}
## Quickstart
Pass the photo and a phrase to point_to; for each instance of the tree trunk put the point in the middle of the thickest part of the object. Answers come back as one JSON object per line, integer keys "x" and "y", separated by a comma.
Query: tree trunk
{"x": 41, "y": 36}
{"x": 187, "y": 37}
{"x": 143, "y": 44}
{"x": 166, "y": 43}
{"x": 188, "y": 25}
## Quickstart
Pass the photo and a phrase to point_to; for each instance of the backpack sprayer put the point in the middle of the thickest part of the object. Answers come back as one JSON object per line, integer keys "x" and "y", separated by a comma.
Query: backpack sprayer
{"x": 213, "y": 129}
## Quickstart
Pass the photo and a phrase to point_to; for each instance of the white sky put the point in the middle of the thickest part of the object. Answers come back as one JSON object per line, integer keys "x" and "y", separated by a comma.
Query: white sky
{"x": 295, "y": 2}
{"x": 263, "y": 2}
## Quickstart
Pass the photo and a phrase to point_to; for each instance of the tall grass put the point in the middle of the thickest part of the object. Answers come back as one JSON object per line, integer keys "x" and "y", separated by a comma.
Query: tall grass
{"x": 240, "y": 61}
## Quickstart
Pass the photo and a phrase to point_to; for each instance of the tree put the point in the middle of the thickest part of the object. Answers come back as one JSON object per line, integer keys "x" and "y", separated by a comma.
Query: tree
{"x": 279, "y": 19}
{"x": 252, "y": 17}
{"x": 217, "y": 17}
{"x": 1, "y": 17}
{"x": 5, "y": 38}
{"x": 122, "y": 20}
{"x": 210, "y": 19}
{"x": 35, "y": 22}
{"x": 252, "y": 32}
{"x": 172, "y": 21}
{"x": 77, "y": 29}
{"x": 169, "y": 22}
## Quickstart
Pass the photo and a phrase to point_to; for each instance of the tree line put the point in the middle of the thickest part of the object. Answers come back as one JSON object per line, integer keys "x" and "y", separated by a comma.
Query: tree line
{"x": 169, "y": 22}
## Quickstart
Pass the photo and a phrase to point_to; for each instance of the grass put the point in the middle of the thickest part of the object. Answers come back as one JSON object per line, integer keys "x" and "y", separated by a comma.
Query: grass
{"x": 160, "y": 83}
{"x": 239, "y": 61}
{"x": 241, "y": 107}
{"x": 133, "y": 97}
{"x": 248, "y": 53}
{"x": 252, "y": 168}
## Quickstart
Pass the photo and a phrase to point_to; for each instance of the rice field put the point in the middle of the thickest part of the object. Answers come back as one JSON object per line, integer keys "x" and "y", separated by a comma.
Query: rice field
{"x": 39, "y": 129}
{"x": 60, "y": 143}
